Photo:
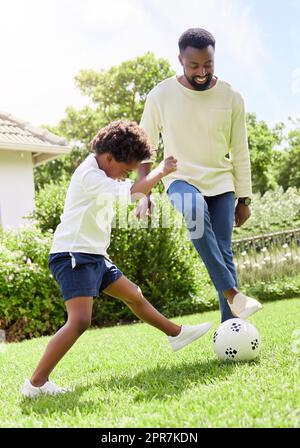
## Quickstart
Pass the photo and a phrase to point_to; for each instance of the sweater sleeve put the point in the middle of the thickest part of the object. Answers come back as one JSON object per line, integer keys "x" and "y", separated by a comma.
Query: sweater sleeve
{"x": 150, "y": 122}
{"x": 239, "y": 151}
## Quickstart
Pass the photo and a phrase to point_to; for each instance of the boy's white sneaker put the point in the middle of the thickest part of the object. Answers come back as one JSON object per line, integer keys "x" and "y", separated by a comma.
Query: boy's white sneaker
{"x": 49, "y": 388}
{"x": 188, "y": 334}
{"x": 243, "y": 306}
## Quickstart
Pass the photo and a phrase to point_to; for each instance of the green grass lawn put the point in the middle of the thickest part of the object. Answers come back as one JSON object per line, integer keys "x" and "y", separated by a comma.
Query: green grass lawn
{"x": 127, "y": 376}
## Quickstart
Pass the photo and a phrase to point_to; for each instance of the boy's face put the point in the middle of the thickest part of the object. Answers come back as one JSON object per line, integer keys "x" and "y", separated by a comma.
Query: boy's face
{"x": 119, "y": 170}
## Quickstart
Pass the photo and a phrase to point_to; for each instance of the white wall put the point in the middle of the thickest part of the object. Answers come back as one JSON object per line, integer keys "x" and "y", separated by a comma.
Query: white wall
{"x": 16, "y": 188}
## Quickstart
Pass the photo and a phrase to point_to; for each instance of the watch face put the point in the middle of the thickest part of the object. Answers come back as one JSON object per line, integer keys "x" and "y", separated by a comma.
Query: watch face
{"x": 245, "y": 201}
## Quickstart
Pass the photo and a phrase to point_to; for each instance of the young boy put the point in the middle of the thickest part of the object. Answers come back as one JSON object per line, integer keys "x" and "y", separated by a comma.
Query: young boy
{"x": 78, "y": 259}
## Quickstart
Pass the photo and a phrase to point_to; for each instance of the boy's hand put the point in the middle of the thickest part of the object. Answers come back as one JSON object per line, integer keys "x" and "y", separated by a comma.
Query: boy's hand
{"x": 168, "y": 165}
{"x": 147, "y": 182}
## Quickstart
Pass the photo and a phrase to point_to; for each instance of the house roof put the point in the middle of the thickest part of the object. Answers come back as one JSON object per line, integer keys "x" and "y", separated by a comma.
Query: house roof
{"x": 20, "y": 135}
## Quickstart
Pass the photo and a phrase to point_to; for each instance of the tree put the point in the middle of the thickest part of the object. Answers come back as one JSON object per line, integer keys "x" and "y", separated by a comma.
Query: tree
{"x": 262, "y": 142}
{"x": 117, "y": 93}
{"x": 288, "y": 163}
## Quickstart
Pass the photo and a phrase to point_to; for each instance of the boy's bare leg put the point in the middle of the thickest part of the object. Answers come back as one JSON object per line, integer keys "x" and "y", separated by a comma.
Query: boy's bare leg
{"x": 79, "y": 318}
{"x": 132, "y": 296}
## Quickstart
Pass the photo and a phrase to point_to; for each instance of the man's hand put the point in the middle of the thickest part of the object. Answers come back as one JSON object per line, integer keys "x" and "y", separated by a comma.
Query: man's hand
{"x": 168, "y": 165}
{"x": 242, "y": 213}
{"x": 145, "y": 207}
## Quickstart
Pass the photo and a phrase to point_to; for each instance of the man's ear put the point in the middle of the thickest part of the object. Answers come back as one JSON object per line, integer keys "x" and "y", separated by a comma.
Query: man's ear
{"x": 180, "y": 59}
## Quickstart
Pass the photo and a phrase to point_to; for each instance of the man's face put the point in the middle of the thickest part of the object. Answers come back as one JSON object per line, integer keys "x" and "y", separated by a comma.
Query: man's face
{"x": 120, "y": 170}
{"x": 198, "y": 66}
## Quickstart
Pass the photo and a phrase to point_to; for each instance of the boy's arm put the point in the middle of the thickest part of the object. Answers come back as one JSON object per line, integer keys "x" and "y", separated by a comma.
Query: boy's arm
{"x": 98, "y": 185}
{"x": 144, "y": 169}
{"x": 151, "y": 178}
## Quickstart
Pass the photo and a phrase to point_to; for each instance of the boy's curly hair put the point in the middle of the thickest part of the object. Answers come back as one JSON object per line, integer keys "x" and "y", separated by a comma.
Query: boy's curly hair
{"x": 125, "y": 140}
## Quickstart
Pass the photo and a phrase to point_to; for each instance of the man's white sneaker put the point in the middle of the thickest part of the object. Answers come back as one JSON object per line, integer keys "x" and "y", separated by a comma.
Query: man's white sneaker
{"x": 243, "y": 306}
{"x": 188, "y": 334}
{"x": 49, "y": 388}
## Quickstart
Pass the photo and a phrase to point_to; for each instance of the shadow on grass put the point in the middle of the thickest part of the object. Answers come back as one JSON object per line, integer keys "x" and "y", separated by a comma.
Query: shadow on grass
{"x": 159, "y": 383}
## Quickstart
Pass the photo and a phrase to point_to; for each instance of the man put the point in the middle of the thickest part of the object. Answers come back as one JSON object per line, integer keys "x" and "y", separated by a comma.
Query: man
{"x": 202, "y": 123}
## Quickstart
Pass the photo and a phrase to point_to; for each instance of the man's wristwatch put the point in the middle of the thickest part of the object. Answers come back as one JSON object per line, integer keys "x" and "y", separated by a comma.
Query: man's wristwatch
{"x": 245, "y": 201}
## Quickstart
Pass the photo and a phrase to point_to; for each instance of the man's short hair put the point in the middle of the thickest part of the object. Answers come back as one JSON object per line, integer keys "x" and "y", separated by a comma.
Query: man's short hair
{"x": 197, "y": 38}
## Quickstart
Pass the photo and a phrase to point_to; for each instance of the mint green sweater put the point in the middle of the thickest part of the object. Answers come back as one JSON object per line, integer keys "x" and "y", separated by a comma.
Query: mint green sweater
{"x": 199, "y": 128}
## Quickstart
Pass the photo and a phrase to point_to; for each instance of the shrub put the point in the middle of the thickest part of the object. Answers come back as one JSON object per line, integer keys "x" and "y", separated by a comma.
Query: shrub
{"x": 275, "y": 210}
{"x": 29, "y": 298}
{"x": 49, "y": 205}
{"x": 282, "y": 288}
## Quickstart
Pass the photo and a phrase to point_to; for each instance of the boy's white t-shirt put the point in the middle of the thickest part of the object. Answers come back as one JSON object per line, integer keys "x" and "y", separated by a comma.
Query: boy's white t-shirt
{"x": 199, "y": 128}
{"x": 89, "y": 210}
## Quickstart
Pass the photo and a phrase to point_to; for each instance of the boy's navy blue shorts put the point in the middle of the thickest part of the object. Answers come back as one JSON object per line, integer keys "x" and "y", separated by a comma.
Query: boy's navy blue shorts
{"x": 82, "y": 274}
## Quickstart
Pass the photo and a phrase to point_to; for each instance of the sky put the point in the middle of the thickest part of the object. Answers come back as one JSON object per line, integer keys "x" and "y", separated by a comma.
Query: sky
{"x": 45, "y": 43}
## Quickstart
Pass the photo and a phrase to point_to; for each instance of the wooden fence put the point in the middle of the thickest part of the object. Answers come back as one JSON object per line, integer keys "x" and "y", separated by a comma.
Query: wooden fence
{"x": 270, "y": 241}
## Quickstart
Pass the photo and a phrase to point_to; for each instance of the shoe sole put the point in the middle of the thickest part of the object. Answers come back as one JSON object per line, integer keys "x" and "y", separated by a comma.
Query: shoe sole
{"x": 42, "y": 393}
{"x": 250, "y": 312}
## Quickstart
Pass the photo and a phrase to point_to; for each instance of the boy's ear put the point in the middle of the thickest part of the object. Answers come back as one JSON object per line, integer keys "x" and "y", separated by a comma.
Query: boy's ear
{"x": 109, "y": 157}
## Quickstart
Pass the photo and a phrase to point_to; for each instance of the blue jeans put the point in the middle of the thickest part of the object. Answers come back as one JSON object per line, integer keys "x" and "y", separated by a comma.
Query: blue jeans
{"x": 210, "y": 221}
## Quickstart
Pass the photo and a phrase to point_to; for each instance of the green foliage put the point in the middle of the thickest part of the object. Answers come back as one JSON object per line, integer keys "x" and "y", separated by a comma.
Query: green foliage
{"x": 262, "y": 142}
{"x": 120, "y": 92}
{"x": 117, "y": 93}
{"x": 49, "y": 204}
{"x": 273, "y": 211}
{"x": 268, "y": 266}
{"x": 59, "y": 169}
{"x": 29, "y": 298}
{"x": 288, "y": 162}
{"x": 281, "y": 288}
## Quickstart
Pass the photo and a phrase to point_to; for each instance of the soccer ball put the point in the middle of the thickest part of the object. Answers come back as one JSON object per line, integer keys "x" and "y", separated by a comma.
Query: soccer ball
{"x": 236, "y": 340}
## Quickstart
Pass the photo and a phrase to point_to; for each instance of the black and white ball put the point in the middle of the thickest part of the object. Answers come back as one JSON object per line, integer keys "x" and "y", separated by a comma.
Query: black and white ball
{"x": 236, "y": 340}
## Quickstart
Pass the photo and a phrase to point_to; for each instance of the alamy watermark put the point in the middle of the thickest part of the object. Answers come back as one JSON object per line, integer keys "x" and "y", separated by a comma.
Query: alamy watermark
{"x": 188, "y": 205}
